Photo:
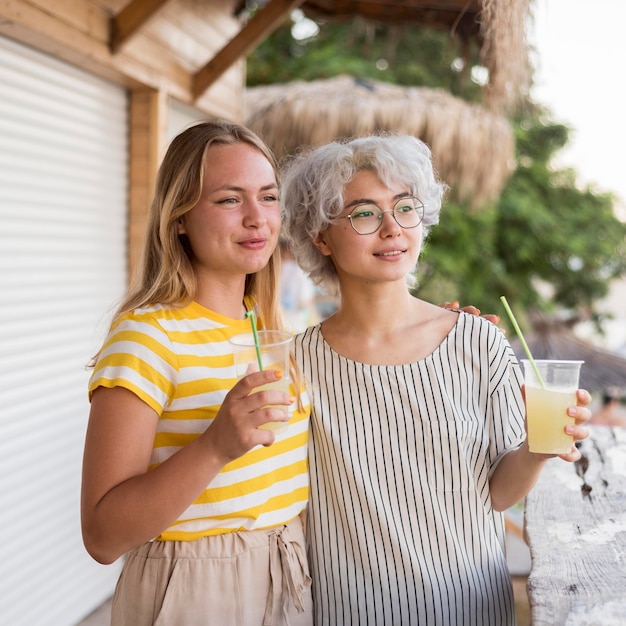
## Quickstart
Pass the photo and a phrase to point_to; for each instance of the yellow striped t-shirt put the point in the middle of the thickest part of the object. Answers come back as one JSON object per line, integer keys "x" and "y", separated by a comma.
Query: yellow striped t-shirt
{"x": 178, "y": 361}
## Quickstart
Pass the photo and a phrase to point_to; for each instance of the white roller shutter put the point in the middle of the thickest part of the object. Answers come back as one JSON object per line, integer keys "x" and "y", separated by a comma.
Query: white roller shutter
{"x": 181, "y": 116}
{"x": 63, "y": 205}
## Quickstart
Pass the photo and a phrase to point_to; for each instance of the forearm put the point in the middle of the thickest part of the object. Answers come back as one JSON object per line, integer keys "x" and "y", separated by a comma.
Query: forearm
{"x": 124, "y": 505}
{"x": 515, "y": 476}
{"x": 144, "y": 505}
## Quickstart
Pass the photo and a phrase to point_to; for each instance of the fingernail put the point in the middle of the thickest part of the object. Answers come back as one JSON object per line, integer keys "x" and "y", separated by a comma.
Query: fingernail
{"x": 278, "y": 374}
{"x": 570, "y": 430}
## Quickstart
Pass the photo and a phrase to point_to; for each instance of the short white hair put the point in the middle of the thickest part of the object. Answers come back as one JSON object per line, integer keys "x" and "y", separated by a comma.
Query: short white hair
{"x": 313, "y": 182}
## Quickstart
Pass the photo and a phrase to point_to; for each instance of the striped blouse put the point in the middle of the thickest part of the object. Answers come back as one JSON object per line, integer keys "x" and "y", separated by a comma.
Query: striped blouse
{"x": 400, "y": 525}
{"x": 179, "y": 362}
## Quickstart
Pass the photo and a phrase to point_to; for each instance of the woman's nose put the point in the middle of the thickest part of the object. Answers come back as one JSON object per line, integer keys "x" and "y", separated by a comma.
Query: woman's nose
{"x": 254, "y": 213}
{"x": 389, "y": 226}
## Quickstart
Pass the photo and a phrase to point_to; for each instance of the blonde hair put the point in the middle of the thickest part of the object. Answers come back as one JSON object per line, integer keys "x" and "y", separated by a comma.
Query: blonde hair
{"x": 166, "y": 273}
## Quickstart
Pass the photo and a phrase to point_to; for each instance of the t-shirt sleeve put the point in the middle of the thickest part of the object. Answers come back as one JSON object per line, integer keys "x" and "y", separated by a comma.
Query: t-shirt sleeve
{"x": 138, "y": 355}
{"x": 507, "y": 409}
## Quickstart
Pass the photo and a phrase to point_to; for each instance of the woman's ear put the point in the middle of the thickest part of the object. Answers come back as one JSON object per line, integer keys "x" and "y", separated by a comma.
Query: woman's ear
{"x": 320, "y": 243}
{"x": 181, "y": 227}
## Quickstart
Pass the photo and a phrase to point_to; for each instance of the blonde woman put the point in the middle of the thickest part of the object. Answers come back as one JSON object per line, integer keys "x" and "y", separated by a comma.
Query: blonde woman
{"x": 177, "y": 475}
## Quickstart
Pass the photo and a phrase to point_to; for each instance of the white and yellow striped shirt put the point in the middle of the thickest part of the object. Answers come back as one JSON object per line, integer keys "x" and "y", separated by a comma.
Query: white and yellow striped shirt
{"x": 178, "y": 361}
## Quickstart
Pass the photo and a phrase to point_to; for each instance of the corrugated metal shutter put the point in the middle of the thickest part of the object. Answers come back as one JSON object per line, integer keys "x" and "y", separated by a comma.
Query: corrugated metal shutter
{"x": 63, "y": 205}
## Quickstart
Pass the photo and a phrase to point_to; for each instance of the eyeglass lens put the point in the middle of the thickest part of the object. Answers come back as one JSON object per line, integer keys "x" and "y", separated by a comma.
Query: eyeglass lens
{"x": 367, "y": 218}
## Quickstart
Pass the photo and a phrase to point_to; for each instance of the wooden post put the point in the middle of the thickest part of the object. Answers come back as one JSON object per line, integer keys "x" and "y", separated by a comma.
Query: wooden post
{"x": 575, "y": 526}
{"x": 148, "y": 135}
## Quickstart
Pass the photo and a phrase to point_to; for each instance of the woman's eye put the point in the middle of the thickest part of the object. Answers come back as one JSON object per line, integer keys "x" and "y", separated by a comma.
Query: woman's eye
{"x": 362, "y": 213}
{"x": 270, "y": 198}
{"x": 228, "y": 201}
{"x": 405, "y": 208}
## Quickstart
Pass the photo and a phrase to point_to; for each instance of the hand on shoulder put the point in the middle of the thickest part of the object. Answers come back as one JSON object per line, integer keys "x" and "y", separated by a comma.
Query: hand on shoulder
{"x": 472, "y": 310}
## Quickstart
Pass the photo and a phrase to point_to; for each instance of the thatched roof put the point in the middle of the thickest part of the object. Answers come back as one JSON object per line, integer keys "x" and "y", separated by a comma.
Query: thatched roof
{"x": 498, "y": 26}
{"x": 551, "y": 339}
{"x": 473, "y": 148}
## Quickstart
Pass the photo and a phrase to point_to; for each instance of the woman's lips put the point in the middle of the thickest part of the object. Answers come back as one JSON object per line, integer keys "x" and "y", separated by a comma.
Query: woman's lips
{"x": 253, "y": 244}
{"x": 390, "y": 253}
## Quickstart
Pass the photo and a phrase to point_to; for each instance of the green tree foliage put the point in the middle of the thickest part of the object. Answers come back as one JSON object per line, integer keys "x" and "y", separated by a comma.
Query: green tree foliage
{"x": 546, "y": 243}
{"x": 395, "y": 54}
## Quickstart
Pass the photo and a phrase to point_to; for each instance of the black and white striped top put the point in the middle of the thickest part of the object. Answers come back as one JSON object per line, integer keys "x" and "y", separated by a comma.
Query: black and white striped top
{"x": 400, "y": 525}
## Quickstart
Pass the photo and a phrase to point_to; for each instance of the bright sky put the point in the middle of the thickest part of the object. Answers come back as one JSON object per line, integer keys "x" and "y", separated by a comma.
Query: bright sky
{"x": 579, "y": 70}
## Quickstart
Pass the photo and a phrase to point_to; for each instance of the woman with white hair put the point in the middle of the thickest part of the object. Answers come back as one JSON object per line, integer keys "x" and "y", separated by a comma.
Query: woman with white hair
{"x": 418, "y": 440}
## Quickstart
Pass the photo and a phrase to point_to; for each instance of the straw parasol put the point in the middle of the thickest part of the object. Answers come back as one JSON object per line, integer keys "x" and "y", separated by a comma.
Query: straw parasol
{"x": 553, "y": 339}
{"x": 473, "y": 148}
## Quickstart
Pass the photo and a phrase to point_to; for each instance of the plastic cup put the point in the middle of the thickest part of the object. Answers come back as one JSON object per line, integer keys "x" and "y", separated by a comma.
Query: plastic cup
{"x": 274, "y": 348}
{"x": 546, "y": 408}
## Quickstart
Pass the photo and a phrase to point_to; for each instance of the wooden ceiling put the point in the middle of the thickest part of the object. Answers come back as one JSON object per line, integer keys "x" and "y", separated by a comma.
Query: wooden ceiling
{"x": 137, "y": 14}
{"x": 192, "y": 48}
{"x": 460, "y": 17}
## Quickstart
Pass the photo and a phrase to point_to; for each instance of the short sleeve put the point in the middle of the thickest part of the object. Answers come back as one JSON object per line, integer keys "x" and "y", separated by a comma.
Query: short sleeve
{"x": 138, "y": 355}
{"x": 507, "y": 409}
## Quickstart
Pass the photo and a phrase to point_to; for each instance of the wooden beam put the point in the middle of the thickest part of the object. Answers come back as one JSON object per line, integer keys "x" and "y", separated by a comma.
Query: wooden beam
{"x": 574, "y": 525}
{"x": 130, "y": 20}
{"x": 264, "y": 22}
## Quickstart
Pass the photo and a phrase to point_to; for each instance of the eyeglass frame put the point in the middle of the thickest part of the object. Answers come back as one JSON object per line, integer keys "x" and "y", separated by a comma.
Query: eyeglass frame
{"x": 382, "y": 214}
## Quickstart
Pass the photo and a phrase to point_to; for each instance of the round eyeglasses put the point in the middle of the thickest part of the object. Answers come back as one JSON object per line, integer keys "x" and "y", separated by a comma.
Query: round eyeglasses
{"x": 367, "y": 218}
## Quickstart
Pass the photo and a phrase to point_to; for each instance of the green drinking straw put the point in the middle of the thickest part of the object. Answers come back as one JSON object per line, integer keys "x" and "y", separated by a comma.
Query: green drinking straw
{"x": 250, "y": 314}
{"x": 522, "y": 340}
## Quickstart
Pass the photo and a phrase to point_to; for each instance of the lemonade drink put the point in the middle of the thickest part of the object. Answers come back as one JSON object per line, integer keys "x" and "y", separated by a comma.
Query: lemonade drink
{"x": 547, "y": 401}
{"x": 547, "y": 417}
{"x": 280, "y": 385}
{"x": 274, "y": 346}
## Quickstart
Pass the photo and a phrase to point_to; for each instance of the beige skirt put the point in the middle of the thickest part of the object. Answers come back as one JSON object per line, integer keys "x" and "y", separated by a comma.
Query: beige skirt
{"x": 255, "y": 578}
